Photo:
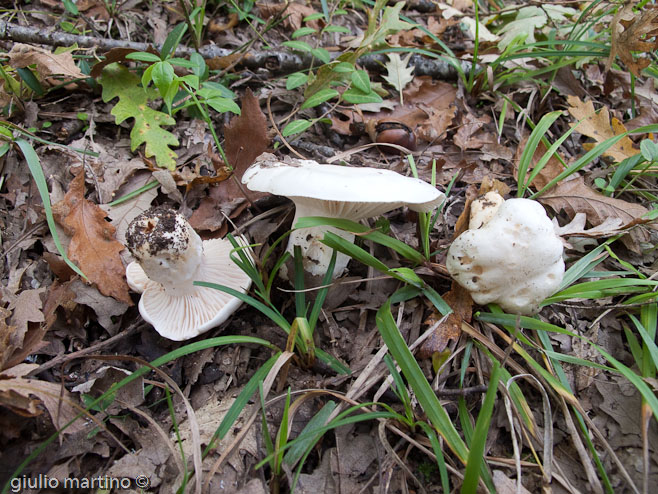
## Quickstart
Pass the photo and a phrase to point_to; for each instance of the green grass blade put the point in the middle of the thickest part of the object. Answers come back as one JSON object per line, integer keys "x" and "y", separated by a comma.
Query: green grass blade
{"x": 476, "y": 462}
{"x": 529, "y": 150}
{"x": 424, "y": 393}
{"x": 34, "y": 165}
{"x": 297, "y": 451}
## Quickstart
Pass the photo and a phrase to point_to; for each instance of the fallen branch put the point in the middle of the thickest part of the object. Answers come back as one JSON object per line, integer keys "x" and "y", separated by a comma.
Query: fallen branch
{"x": 275, "y": 61}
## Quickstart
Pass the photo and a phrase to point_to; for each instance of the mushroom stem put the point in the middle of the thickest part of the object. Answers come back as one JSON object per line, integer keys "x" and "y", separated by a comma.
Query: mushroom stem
{"x": 316, "y": 255}
{"x": 167, "y": 248}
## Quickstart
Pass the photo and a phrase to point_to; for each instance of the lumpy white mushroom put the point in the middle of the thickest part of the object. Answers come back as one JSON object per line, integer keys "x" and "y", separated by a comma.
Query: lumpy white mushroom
{"x": 514, "y": 258}
{"x": 170, "y": 257}
{"x": 334, "y": 191}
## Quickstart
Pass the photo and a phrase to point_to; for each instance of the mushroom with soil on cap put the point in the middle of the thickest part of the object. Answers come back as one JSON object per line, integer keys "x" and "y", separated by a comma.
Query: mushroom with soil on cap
{"x": 336, "y": 192}
{"x": 510, "y": 255}
{"x": 170, "y": 257}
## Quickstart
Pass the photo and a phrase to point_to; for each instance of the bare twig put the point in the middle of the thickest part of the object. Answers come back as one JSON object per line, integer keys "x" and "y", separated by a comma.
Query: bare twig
{"x": 275, "y": 61}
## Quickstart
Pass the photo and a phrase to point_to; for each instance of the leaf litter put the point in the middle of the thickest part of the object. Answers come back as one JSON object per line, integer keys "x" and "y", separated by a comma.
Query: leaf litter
{"x": 48, "y": 313}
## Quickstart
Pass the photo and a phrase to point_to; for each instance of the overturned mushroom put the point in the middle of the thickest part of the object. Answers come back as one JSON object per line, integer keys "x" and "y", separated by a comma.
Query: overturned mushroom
{"x": 512, "y": 257}
{"x": 170, "y": 257}
{"x": 335, "y": 192}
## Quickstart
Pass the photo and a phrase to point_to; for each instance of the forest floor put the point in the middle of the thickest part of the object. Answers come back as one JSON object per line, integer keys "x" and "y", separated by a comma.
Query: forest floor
{"x": 110, "y": 108}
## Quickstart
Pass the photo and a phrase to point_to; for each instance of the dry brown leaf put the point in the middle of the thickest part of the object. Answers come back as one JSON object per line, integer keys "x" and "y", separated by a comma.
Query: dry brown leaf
{"x": 48, "y": 64}
{"x": 472, "y": 133}
{"x": 599, "y": 127}
{"x": 26, "y": 308}
{"x": 16, "y": 393}
{"x": 428, "y": 109}
{"x": 576, "y": 227}
{"x": 575, "y": 197}
{"x": 93, "y": 245}
{"x": 246, "y": 139}
{"x": 633, "y": 32}
{"x": 6, "y": 332}
{"x": 462, "y": 305}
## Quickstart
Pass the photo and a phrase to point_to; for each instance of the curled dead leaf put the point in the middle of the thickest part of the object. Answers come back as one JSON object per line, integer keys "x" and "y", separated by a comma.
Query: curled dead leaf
{"x": 93, "y": 244}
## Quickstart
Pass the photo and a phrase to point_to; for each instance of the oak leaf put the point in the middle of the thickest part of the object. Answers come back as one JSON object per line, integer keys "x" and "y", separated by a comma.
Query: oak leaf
{"x": 93, "y": 244}
{"x": 631, "y": 31}
{"x": 25, "y": 396}
{"x": 574, "y": 197}
{"x": 47, "y": 64}
{"x": 599, "y": 127}
{"x": 246, "y": 139}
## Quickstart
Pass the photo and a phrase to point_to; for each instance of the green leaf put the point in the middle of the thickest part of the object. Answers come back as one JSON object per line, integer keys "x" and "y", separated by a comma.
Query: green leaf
{"x": 298, "y": 46}
{"x": 117, "y": 81}
{"x": 320, "y": 97}
{"x": 30, "y": 80}
{"x": 173, "y": 40}
{"x": 182, "y": 62}
{"x": 295, "y": 127}
{"x": 143, "y": 56}
{"x": 70, "y": 7}
{"x": 314, "y": 17}
{"x": 361, "y": 81}
{"x": 296, "y": 451}
{"x": 321, "y": 54}
{"x": 335, "y": 29}
{"x": 357, "y": 97}
{"x": 223, "y": 105}
{"x": 210, "y": 89}
{"x": 649, "y": 150}
{"x": 295, "y": 80}
{"x": 343, "y": 67}
{"x": 303, "y": 31}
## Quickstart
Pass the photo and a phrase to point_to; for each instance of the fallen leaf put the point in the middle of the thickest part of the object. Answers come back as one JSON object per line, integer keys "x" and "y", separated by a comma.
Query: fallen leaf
{"x": 450, "y": 329}
{"x": 47, "y": 64}
{"x": 472, "y": 132}
{"x": 574, "y": 197}
{"x": 398, "y": 72}
{"x": 630, "y": 32}
{"x": 16, "y": 393}
{"x": 26, "y": 308}
{"x": 246, "y": 139}
{"x": 599, "y": 127}
{"x": 246, "y": 135}
{"x": 93, "y": 246}
{"x": 106, "y": 308}
{"x": 576, "y": 227}
{"x": 6, "y": 332}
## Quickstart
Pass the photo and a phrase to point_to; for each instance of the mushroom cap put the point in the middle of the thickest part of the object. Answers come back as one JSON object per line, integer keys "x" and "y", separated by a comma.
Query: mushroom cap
{"x": 484, "y": 208}
{"x": 515, "y": 259}
{"x": 181, "y": 317}
{"x": 340, "y": 191}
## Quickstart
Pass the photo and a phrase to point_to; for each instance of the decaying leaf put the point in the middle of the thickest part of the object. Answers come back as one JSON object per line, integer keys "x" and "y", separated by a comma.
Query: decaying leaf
{"x": 473, "y": 132}
{"x": 25, "y": 396}
{"x": 93, "y": 245}
{"x": 574, "y": 197}
{"x": 398, "y": 72}
{"x": 246, "y": 139}
{"x": 6, "y": 332}
{"x": 47, "y": 64}
{"x": 599, "y": 127}
{"x": 576, "y": 227}
{"x": 633, "y": 32}
{"x": 462, "y": 305}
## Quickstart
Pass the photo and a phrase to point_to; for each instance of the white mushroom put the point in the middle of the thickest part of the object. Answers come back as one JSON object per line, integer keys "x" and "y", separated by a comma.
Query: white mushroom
{"x": 484, "y": 208}
{"x": 336, "y": 192}
{"x": 514, "y": 259}
{"x": 170, "y": 257}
